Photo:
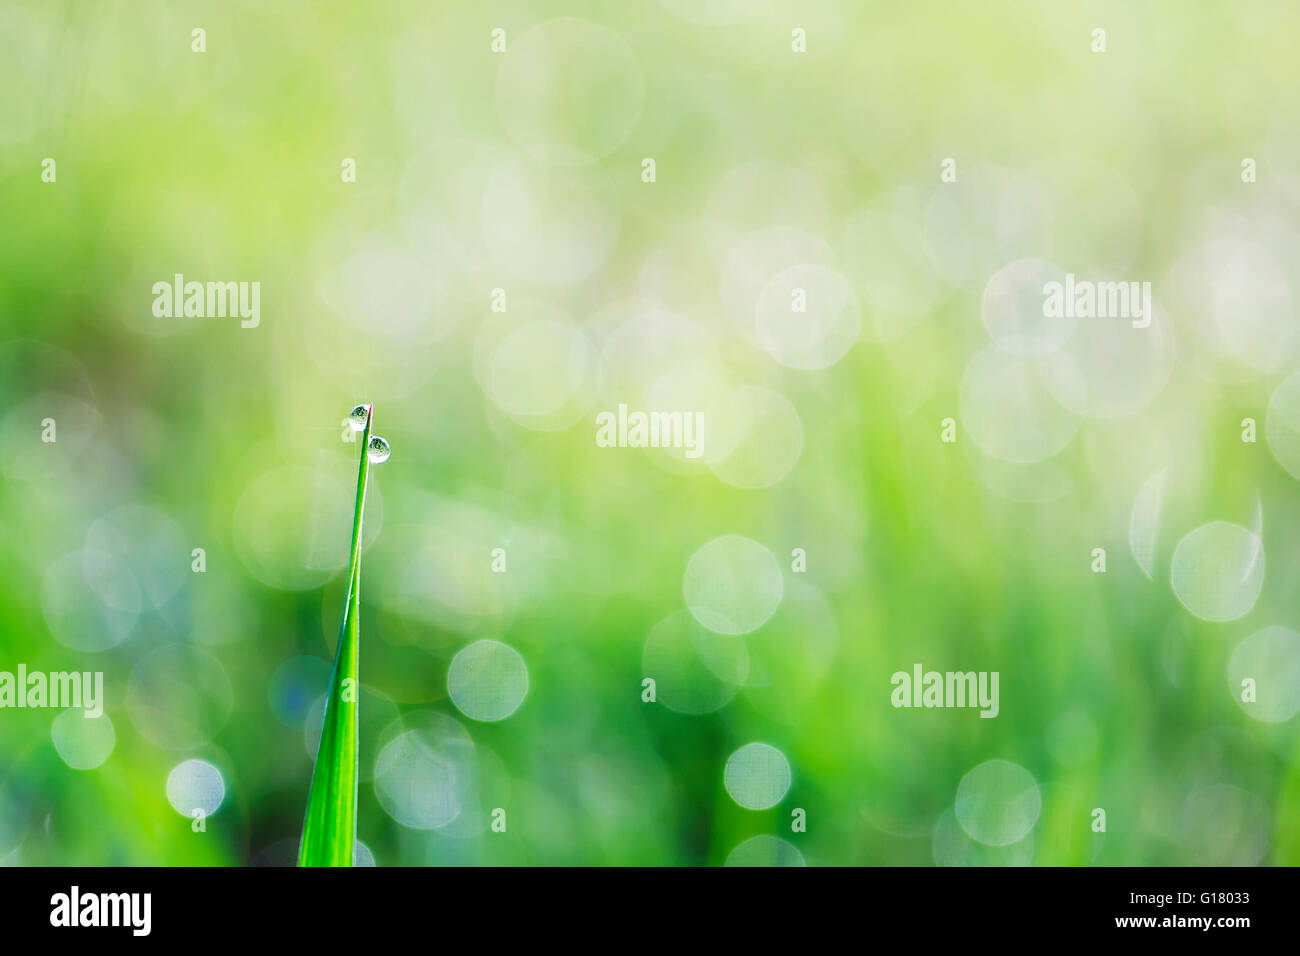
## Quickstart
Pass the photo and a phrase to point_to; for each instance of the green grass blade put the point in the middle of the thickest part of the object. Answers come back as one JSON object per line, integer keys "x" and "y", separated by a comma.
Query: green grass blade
{"x": 329, "y": 829}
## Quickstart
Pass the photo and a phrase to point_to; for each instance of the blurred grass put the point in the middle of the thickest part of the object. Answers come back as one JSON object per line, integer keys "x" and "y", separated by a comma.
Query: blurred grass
{"x": 226, "y": 165}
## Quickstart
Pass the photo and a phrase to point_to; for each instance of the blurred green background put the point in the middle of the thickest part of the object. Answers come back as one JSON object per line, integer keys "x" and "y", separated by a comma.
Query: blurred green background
{"x": 774, "y": 170}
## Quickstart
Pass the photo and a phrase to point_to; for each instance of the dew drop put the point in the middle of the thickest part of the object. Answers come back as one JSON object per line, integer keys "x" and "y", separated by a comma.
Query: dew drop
{"x": 358, "y": 418}
{"x": 377, "y": 450}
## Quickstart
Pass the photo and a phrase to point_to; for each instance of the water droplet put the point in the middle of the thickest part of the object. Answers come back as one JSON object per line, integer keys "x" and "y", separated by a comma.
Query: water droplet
{"x": 358, "y": 418}
{"x": 377, "y": 450}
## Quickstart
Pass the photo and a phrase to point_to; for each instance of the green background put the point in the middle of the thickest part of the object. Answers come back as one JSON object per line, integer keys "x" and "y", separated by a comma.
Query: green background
{"x": 522, "y": 171}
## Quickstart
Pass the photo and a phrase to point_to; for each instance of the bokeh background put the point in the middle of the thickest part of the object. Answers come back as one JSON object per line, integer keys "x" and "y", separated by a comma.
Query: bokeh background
{"x": 774, "y": 170}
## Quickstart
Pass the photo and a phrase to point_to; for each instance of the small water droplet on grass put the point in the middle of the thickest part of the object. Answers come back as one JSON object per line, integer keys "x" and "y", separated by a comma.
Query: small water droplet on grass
{"x": 377, "y": 450}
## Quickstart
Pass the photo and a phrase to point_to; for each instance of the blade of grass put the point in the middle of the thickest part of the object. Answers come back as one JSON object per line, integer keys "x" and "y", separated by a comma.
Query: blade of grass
{"x": 329, "y": 829}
